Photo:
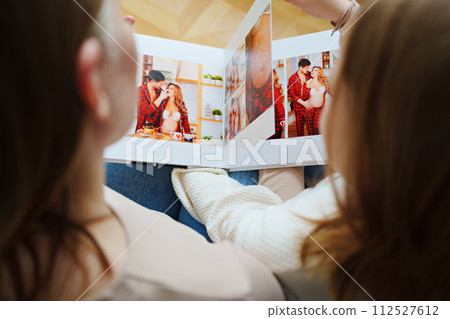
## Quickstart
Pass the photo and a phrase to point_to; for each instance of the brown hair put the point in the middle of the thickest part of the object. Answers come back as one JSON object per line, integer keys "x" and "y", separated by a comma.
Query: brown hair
{"x": 41, "y": 117}
{"x": 393, "y": 228}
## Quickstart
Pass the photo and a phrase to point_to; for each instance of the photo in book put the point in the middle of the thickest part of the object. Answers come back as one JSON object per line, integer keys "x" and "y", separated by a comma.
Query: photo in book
{"x": 235, "y": 115}
{"x": 308, "y": 91}
{"x": 176, "y": 100}
{"x": 235, "y": 72}
{"x": 248, "y": 74}
{"x": 230, "y": 96}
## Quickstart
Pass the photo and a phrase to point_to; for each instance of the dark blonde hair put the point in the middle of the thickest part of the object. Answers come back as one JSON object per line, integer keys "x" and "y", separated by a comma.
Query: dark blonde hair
{"x": 277, "y": 85}
{"x": 393, "y": 228}
{"x": 322, "y": 78}
{"x": 41, "y": 119}
{"x": 276, "y": 79}
{"x": 178, "y": 98}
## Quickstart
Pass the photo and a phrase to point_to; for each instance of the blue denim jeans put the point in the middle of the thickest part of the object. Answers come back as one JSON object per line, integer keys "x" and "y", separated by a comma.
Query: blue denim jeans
{"x": 154, "y": 191}
{"x": 151, "y": 187}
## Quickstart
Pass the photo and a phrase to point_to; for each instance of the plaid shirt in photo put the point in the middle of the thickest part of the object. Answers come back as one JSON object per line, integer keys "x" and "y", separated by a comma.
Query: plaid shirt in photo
{"x": 297, "y": 90}
{"x": 147, "y": 111}
{"x": 258, "y": 100}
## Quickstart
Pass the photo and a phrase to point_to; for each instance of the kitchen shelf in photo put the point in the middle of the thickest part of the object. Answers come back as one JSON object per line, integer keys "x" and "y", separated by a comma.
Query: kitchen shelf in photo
{"x": 203, "y": 119}
{"x": 186, "y": 81}
{"x": 215, "y": 85}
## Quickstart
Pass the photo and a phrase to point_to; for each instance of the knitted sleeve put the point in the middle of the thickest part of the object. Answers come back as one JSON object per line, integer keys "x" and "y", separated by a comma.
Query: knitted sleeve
{"x": 253, "y": 218}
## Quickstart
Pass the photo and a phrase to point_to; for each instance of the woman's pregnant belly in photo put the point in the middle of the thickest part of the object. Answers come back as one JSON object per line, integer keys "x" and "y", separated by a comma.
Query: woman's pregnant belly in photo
{"x": 169, "y": 125}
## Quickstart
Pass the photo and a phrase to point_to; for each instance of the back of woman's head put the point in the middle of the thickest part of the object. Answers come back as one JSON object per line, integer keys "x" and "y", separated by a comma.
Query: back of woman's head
{"x": 387, "y": 133}
{"x": 41, "y": 117}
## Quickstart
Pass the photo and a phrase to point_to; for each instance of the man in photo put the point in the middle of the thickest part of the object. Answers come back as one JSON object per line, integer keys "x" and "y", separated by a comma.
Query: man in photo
{"x": 299, "y": 92}
{"x": 149, "y": 99}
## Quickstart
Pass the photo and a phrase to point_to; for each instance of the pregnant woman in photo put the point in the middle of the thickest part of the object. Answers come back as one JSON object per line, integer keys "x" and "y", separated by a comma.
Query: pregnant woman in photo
{"x": 319, "y": 87}
{"x": 174, "y": 117}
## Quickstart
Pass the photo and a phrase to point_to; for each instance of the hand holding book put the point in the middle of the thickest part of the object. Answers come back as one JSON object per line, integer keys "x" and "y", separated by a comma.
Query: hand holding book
{"x": 332, "y": 10}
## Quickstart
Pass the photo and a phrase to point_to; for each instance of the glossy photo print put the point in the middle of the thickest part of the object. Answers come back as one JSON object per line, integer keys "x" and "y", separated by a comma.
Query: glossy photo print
{"x": 235, "y": 118}
{"x": 308, "y": 91}
{"x": 235, "y": 73}
{"x": 178, "y": 101}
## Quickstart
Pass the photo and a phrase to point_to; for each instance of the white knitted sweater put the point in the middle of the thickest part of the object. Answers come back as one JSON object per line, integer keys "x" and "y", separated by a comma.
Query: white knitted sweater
{"x": 253, "y": 217}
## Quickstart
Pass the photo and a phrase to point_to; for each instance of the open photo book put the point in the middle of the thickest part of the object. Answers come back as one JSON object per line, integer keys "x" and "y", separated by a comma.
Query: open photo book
{"x": 256, "y": 104}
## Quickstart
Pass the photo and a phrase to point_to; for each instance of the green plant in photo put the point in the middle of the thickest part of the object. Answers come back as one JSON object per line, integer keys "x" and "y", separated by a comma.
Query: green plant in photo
{"x": 217, "y": 112}
{"x": 208, "y": 138}
{"x": 208, "y": 76}
{"x": 217, "y": 77}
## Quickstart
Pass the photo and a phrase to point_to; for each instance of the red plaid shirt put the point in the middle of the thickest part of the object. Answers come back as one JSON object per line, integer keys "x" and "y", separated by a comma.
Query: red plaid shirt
{"x": 259, "y": 100}
{"x": 279, "y": 112}
{"x": 147, "y": 110}
{"x": 297, "y": 90}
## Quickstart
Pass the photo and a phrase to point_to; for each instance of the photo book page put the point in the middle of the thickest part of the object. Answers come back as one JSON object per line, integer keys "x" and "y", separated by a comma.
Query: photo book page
{"x": 256, "y": 104}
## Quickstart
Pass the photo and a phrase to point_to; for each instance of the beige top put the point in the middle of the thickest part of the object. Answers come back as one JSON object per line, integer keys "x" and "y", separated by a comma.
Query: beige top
{"x": 170, "y": 261}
